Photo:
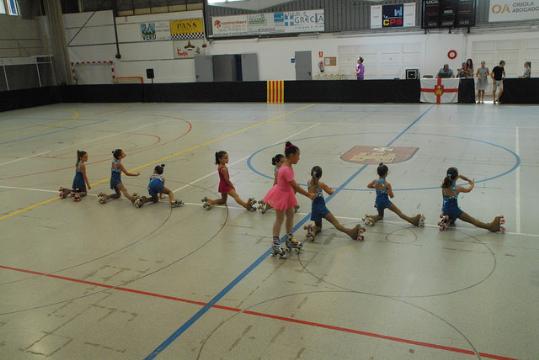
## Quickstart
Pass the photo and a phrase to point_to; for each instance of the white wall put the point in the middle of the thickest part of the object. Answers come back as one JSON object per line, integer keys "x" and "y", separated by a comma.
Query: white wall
{"x": 386, "y": 55}
{"x": 20, "y": 38}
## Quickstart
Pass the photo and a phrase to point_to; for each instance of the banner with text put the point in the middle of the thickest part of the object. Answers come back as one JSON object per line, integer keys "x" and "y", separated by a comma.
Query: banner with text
{"x": 388, "y": 16}
{"x": 269, "y": 23}
{"x": 509, "y": 10}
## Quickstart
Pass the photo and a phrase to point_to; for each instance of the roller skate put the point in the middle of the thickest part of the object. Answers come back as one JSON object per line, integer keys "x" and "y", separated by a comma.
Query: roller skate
{"x": 76, "y": 197}
{"x": 368, "y": 220}
{"x": 176, "y": 204}
{"x": 263, "y": 207}
{"x": 292, "y": 243}
{"x": 421, "y": 220}
{"x": 278, "y": 250}
{"x": 360, "y": 231}
{"x": 205, "y": 203}
{"x": 499, "y": 221}
{"x": 63, "y": 193}
{"x": 443, "y": 224}
{"x": 251, "y": 204}
{"x": 139, "y": 202}
{"x": 102, "y": 198}
{"x": 310, "y": 232}
{"x": 296, "y": 208}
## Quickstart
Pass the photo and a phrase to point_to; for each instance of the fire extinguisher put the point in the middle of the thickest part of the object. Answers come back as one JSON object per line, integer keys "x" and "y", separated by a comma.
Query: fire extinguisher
{"x": 321, "y": 66}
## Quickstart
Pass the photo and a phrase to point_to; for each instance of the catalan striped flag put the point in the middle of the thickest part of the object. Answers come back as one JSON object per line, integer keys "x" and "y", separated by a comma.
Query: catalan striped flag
{"x": 275, "y": 91}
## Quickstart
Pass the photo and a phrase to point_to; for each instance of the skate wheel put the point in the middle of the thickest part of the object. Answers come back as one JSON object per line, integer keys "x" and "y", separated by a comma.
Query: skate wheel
{"x": 502, "y": 230}
{"x": 502, "y": 220}
{"x": 360, "y": 238}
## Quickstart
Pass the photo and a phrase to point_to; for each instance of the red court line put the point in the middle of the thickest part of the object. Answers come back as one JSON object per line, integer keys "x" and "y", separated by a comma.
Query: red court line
{"x": 263, "y": 315}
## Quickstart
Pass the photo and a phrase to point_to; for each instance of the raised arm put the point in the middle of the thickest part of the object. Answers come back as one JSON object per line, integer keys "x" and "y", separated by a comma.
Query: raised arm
{"x": 372, "y": 185}
{"x": 326, "y": 188}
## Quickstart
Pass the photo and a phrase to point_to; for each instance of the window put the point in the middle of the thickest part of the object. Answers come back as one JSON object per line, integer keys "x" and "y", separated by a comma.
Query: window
{"x": 213, "y": 2}
{"x": 2, "y": 7}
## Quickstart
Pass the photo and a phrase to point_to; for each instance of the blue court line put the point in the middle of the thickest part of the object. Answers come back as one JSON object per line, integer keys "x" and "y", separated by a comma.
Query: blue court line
{"x": 261, "y": 258}
{"x": 515, "y": 165}
{"x": 51, "y": 132}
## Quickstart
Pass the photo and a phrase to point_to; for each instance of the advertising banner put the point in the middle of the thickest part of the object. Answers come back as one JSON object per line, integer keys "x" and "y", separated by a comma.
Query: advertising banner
{"x": 509, "y": 10}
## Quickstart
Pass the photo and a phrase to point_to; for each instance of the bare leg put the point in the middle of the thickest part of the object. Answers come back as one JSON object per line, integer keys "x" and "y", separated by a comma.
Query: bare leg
{"x": 494, "y": 226}
{"x": 279, "y": 218}
{"x": 171, "y": 198}
{"x": 289, "y": 220}
{"x": 375, "y": 218}
{"x": 412, "y": 220}
{"x": 126, "y": 193}
{"x": 350, "y": 232}
{"x": 221, "y": 201}
{"x": 236, "y": 197}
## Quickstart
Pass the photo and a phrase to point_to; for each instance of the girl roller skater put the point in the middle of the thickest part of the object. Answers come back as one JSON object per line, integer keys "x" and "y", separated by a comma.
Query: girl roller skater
{"x": 80, "y": 181}
{"x": 156, "y": 189}
{"x": 282, "y": 197}
{"x": 319, "y": 210}
{"x": 117, "y": 169}
{"x": 450, "y": 208}
{"x": 276, "y": 161}
{"x": 226, "y": 187}
{"x": 384, "y": 191}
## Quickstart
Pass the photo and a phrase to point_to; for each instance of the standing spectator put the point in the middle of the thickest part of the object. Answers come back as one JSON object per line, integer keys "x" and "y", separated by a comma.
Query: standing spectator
{"x": 464, "y": 71}
{"x": 498, "y": 74}
{"x": 527, "y": 70}
{"x": 469, "y": 62}
{"x": 445, "y": 72}
{"x": 360, "y": 69}
{"x": 482, "y": 82}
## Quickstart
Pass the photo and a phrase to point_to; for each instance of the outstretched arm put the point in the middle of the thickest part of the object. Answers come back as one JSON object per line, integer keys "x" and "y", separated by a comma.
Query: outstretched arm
{"x": 466, "y": 189}
{"x": 326, "y": 188}
{"x": 372, "y": 185}
{"x": 299, "y": 189}
{"x": 124, "y": 170}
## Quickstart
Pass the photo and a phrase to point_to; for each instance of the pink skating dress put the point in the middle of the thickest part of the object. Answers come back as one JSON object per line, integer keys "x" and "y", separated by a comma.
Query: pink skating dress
{"x": 224, "y": 187}
{"x": 282, "y": 196}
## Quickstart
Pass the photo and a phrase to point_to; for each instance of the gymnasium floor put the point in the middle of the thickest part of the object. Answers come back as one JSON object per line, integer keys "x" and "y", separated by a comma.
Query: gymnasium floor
{"x": 90, "y": 281}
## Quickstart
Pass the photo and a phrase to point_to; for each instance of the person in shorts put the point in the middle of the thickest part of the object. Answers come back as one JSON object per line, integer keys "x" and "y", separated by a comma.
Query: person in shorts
{"x": 498, "y": 74}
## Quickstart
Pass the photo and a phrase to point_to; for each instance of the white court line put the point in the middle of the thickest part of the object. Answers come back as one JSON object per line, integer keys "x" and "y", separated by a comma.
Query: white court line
{"x": 81, "y": 143}
{"x": 299, "y": 213}
{"x": 242, "y": 159}
{"x": 517, "y": 187}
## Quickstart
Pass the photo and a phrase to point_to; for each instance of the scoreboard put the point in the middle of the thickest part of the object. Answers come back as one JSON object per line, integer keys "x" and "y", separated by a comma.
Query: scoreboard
{"x": 448, "y": 13}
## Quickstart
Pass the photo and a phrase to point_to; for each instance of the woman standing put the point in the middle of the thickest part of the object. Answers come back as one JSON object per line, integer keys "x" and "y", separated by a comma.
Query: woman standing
{"x": 482, "y": 82}
{"x": 360, "y": 69}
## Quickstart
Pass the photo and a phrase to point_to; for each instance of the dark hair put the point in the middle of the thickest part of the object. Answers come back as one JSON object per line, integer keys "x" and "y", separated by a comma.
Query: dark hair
{"x": 276, "y": 159}
{"x": 219, "y": 155}
{"x": 469, "y": 62}
{"x": 290, "y": 149}
{"x": 360, "y": 59}
{"x": 80, "y": 154}
{"x": 316, "y": 172}
{"x": 529, "y": 63}
{"x": 117, "y": 153}
{"x": 451, "y": 175}
{"x": 159, "y": 169}
{"x": 382, "y": 170}
{"x": 502, "y": 62}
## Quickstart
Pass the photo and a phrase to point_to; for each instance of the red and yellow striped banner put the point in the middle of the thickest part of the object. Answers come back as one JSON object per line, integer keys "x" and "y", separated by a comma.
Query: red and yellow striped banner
{"x": 275, "y": 91}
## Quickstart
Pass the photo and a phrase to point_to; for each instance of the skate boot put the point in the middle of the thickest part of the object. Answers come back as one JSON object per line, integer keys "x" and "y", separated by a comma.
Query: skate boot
{"x": 251, "y": 204}
{"x": 139, "y": 202}
{"x": 367, "y": 220}
{"x": 63, "y": 193}
{"x": 310, "y": 232}
{"x": 278, "y": 250}
{"x": 205, "y": 204}
{"x": 498, "y": 222}
{"x": 420, "y": 220}
{"x": 292, "y": 243}
{"x": 102, "y": 198}
{"x": 76, "y": 197}
{"x": 176, "y": 204}
{"x": 443, "y": 224}
{"x": 360, "y": 231}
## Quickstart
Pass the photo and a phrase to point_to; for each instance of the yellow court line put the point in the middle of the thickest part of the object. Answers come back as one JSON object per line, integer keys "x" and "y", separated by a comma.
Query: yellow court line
{"x": 164, "y": 158}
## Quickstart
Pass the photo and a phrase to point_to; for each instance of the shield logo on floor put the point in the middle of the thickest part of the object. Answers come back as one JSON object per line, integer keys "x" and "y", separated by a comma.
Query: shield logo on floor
{"x": 373, "y": 155}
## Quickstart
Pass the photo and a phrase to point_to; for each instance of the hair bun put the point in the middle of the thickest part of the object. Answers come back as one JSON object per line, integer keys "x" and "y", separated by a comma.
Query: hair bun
{"x": 162, "y": 165}
{"x": 381, "y": 164}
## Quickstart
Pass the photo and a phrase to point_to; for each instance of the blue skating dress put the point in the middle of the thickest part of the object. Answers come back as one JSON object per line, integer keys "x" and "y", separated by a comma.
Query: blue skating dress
{"x": 115, "y": 174}
{"x": 318, "y": 208}
{"x": 79, "y": 185}
{"x": 156, "y": 185}
{"x": 382, "y": 201}
{"x": 450, "y": 205}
